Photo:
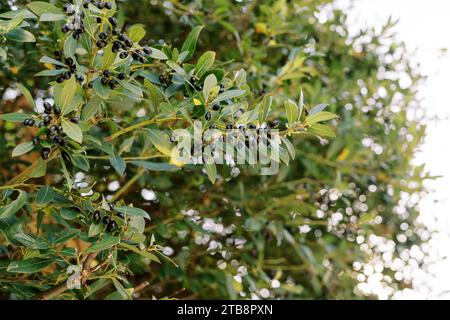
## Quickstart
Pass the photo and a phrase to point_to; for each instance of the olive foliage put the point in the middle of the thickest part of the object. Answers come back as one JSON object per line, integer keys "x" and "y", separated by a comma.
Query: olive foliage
{"x": 110, "y": 199}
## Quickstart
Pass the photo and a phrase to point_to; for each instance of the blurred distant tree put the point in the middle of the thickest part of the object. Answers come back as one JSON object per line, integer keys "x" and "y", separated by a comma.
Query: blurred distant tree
{"x": 342, "y": 213}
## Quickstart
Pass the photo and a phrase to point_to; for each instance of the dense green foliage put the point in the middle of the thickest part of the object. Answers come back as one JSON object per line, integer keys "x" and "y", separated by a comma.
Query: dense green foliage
{"x": 344, "y": 204}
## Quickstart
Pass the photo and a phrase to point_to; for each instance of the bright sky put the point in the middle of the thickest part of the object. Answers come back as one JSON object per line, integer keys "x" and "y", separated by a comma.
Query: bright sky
{"x": 425, "y": 26}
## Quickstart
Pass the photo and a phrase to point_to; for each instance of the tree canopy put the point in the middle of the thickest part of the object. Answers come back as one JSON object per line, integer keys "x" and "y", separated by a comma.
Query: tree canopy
{"x": 97, "y": 189}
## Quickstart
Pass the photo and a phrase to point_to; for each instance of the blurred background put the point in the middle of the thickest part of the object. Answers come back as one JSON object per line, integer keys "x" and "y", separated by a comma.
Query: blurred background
{"x": 359, "y": 216}
{"x": 421, "y": 25}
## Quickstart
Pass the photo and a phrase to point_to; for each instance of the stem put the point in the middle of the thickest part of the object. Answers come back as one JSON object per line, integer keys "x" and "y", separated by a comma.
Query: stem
{"x": 128, "y": 185}
{"x": 137, "y": 126}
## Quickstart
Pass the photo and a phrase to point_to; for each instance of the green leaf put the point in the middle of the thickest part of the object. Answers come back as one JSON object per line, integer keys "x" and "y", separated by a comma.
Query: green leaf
{"x": 137, "y": 91}
{"x": 211, "y": 171}
{"x": 92, "y": 108}
{"x": 131, "y": 211}
{"x": 155, "y": 166}
{"x": 143, "y": 253}
{"x": 109, "y": 57}
{"x": 320, "y": 117}
{"x": 317, "y": 109}
{"x": 14, "y": 206}
{"x": 292, "y": 112}
{"x": 22, "y": 148}
{"x": 158, "y": 54}
{"x": 52, "y": 17}
{"x": 321, "y": 130}
{"x": 73, "y": 105}
{"x": 29, "y": 265}
{"x": 136, "y": 32}
{"x": 95, "y": 229}
{"x": 20, "y": 35}
{"x": 209, "y": 84}
{"x": 265, "y": 109}
{"x": 49, "y": 73}
{"x": 45, "y": 195}
{"x": 68, "y": 91}
{"x": 161, "y": 141}
{"x": 81, "y": 162}
{"x": 66, "y": 235}
{"x": 119, "y": 164}
{"x": 174, "y": 66}
{"x": 230, "y": 94}
{"x": 3, "y": 54}
{"x": 72, "y": 130}
{"x": 14, "y": 117}
{"x": 70, "y": 46}
{"x": 190, "y": 44}
{"x": 41, "y": 7}
{"x": 290, "y": 148}
{"x": 205, "y": 62}
{"x": 40, "y": 169}
{"x": 27, "y": 94}
{"x": 101, "y": 90}
{"x": 49, "y": 60}
{"x": 68, "y": 214}
{"x": 105, "y": 243}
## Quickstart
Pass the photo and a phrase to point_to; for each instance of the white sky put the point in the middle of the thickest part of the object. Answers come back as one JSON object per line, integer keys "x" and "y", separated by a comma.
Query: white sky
{"x": 425, "y": 27}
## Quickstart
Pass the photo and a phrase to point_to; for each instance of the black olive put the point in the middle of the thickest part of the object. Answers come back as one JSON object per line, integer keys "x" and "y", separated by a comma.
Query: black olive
{"x": 45, "y": 153}
{"x": 108, "y": 5}
{"x": 112, "y": 225}
{"x": 208, "y": 116}
{"x": 123, "y": 55}
{"x": 56, "y": 110}
{"x": 252, "y": 126}
{"x": 274, "y": 124}
{"x": 107, "y": 73}
{"x": 106, "y": 220}
{"x": 113, "y": 84}
{"x": 113, "y": 21}
{"x": 216, "y": 107}
{"x": 100, "y": 5}
{"x": 103, "y": 35}
{"x": 52, "y": 129}
{"x": 86, "y": 4}
{"x": 104, "y": 81}
{"x": 116, "y": 32}
{"x": 47, "y": 119}
{"x": 97, "y": 216}
{"x": 121, "y": 215}
{"x": 121, "y": 76}
{"x": 129, "y": 43}
{"x": 47, "y": 108}
{"x": 36, "y": 141}
{"x": 75, "y": 120}
{"x": 148, "y": 51}
{"x": 57, "y": 139}
{"x": 60, "y": 79}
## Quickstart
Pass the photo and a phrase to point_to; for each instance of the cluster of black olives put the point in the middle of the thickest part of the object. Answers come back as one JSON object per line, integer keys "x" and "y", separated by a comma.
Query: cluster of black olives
{"x": 75, "y": 22}
{"x": 121, "y": 43}
{"x": 99, "y": 4}
{"x": 72, "y": 69}
{"x": 111, "y": 225}
{"x": 108, "y": 80}
{"x": 52, "y": 128}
